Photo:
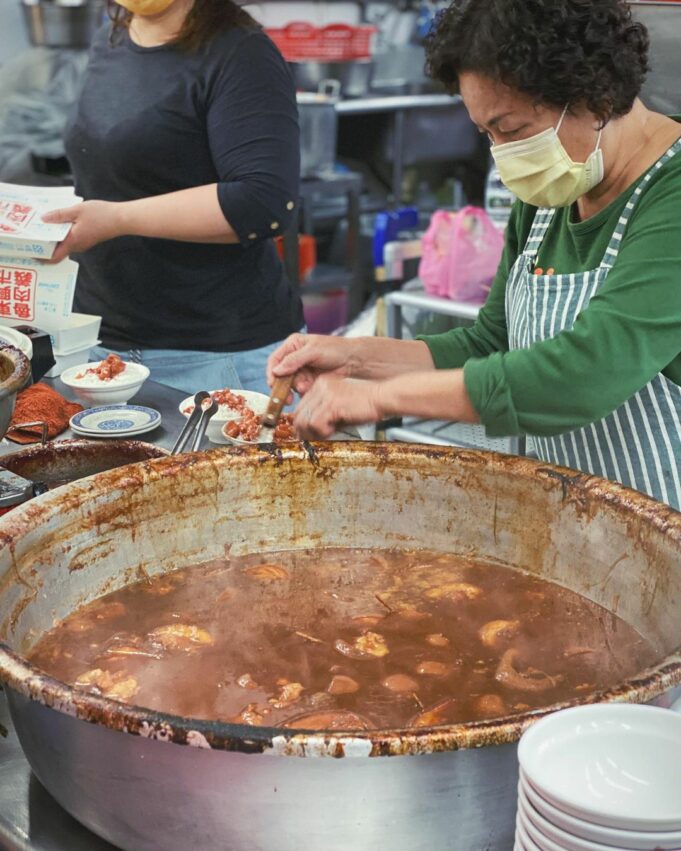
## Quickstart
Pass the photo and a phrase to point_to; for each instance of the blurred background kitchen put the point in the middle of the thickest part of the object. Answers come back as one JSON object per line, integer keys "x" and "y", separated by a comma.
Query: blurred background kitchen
{"x": 383, "y": 148}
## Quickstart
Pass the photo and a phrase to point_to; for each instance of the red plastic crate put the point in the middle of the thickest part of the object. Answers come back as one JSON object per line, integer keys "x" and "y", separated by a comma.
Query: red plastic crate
{"x": 300, "y": 42}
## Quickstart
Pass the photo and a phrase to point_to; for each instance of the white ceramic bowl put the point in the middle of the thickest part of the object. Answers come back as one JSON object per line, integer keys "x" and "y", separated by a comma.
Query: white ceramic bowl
{"x": 522, "y": 838}
{"x": 93, "y": 392}
{"x": 553, "y": 836}
{"x": 557, "y": 824}
{"x": 537, "y": 839}
{"x": 617, "y": 765}
{"x": 257, "y": 401}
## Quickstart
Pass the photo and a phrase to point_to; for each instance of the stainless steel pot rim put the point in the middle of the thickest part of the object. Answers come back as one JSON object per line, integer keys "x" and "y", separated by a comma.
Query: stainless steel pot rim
{"x": 37, "y": 686}
{"x": 32, "y": 683}
{"x": 75, "y": 444}
{"x": 22, "y": 368}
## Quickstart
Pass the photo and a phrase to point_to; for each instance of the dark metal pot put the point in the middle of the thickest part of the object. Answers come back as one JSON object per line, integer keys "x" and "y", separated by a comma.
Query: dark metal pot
{"x": 15, "y": 372}
{"x": 148, "y": 781}
{"x": 68, "y": 460}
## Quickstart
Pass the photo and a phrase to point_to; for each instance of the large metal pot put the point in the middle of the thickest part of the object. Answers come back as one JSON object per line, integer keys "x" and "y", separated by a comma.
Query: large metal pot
{"x": 318, "y": 133}
{"x": 15, "y": 371}
{"x": 149, "y": 781}
{"x": 63, "y": 23}
{"x": 68, "y": 460}
{"x": 354, "y": 78}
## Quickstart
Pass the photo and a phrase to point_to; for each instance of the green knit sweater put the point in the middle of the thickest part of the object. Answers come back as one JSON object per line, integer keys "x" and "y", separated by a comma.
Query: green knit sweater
{"x": 629, "y": 333}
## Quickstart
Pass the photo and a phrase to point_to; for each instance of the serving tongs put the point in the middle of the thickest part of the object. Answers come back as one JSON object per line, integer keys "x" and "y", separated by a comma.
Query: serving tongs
{"x": 198, "y": 420}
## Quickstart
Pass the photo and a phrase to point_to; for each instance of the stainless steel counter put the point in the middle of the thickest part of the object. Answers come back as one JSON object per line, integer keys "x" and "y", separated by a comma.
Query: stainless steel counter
{"x": 30, "y": 819}
{"x": 152, "y": 395}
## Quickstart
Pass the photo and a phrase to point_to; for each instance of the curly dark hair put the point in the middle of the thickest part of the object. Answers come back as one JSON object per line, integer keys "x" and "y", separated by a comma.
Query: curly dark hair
{"x": 557, "y": 51}
{"x": 205, "y": 19}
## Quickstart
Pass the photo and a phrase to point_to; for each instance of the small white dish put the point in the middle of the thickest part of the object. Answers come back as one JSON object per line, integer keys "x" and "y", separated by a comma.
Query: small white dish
{"x": 617, "y": 765}
{"x": 522, "y": 838}
{"x": 115, "y": 421}
{"x": 237, "y": 441}
{"x": 539, "y": 840}
{"x": 547, "y": 817}
{"x": 258, "y": 402}
{"x": 93, "y": 391}
{"x": 548, "y": 831}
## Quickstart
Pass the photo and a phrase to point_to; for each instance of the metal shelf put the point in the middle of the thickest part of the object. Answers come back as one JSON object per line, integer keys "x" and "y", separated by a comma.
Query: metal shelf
{"x": 442, "y": 433}
{"x": 395, "y": 301}
{"x": 374, "y": 103}
{"x": 326, "y": 278}
{"x": 439, "y": 432}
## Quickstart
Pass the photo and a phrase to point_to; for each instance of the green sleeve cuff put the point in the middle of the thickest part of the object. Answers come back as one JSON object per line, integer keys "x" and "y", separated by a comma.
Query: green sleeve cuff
{"x": 445, "y": 349}
{"x": 490, "y": 395}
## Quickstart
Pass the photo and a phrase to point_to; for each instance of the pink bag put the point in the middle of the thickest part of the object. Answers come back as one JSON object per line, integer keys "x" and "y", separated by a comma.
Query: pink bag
{"x": 460, "y": 256}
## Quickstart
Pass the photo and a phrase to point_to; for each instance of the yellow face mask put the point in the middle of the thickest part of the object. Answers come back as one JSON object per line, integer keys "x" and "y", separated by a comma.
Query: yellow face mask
{"x": 540, "y": 172}
{"x": 145, "y": 7}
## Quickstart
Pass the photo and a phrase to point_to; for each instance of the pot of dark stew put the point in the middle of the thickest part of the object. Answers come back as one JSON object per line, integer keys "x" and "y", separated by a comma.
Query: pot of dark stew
{"x": 323, "y": 646}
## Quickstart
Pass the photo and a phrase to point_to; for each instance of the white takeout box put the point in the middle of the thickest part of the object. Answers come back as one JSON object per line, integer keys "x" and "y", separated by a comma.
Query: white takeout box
{"x": 23, "y": 233}
{"x": 64, "y": 360}
{"x": 36, "y": 293}
{"x": 79, "y": 330}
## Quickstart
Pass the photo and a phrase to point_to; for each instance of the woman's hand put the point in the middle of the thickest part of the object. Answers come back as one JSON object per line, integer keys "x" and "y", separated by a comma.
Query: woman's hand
{"x": 310, "y": 355}
{"x": 93, "y": 222}
{"x": 335, "y": 401}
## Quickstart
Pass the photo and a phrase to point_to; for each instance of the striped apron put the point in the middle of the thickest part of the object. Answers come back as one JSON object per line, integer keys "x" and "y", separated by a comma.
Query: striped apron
{"x": 639, "y": 444}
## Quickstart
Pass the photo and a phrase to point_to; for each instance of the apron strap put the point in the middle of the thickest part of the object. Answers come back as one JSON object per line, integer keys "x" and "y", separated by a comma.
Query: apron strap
{"x": 613, "y": 248}
{"x": 542, "y": 219}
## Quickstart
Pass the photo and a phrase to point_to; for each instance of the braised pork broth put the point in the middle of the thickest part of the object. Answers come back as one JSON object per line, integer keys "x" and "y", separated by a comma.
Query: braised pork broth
{"x": 343, "y": 639}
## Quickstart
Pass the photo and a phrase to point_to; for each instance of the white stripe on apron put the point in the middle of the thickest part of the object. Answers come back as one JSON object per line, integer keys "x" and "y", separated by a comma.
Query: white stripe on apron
{"x": 639, "y": 444}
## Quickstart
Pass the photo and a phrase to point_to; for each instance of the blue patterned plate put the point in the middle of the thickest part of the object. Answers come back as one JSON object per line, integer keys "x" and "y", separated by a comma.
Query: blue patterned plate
{"x": 115, "y": 421}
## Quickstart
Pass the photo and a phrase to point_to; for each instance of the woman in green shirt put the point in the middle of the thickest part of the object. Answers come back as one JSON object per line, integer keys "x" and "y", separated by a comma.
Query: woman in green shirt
{"x": 579, "y": 343}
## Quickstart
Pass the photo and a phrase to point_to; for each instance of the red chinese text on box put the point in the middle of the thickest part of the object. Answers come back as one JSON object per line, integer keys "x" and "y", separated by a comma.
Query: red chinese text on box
{"x": 14, "y": 216}
{"x": 23, "y": 311}
{"x": 18, "y": 292}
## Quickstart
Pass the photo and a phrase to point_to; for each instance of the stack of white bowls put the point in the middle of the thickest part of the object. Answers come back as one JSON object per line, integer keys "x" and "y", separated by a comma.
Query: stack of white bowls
{"x": 601, "y": 777}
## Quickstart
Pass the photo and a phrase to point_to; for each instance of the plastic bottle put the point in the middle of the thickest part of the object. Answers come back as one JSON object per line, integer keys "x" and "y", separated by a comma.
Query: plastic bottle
{"x": 498, "y": 199}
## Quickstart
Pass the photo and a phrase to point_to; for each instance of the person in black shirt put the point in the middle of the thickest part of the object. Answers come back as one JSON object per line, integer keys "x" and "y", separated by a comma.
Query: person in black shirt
{"x": 185, "y": 146}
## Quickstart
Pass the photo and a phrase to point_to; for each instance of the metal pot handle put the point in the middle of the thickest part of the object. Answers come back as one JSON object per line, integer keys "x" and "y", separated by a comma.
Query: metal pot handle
{"x": 39, "y": 424}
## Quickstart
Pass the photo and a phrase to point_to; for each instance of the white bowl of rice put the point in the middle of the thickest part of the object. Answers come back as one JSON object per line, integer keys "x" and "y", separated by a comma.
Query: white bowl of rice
{"x": 94, "y": 384}
{"x": 231, "y": 403}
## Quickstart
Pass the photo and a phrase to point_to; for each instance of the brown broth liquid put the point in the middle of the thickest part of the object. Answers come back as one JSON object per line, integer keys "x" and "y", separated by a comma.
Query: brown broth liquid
{"x": 343, "y": 639}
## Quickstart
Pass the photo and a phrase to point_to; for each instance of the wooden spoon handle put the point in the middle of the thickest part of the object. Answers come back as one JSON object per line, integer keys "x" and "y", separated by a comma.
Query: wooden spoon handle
{"x": 280, "y": 390}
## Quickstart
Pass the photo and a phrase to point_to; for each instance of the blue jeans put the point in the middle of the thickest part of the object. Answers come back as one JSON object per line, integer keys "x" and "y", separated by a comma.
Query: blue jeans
{"x": 193, "y": 371}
